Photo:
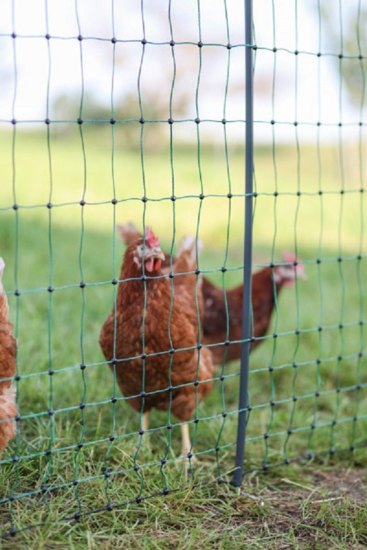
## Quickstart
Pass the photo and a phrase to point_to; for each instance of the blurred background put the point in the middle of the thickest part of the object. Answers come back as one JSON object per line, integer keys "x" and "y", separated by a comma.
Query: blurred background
{"x": 63, "y": 79}
{"x": 310, "y": 150}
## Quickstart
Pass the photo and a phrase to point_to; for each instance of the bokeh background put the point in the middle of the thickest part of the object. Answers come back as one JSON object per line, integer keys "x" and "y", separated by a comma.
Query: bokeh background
{"x": 310, "y": 186}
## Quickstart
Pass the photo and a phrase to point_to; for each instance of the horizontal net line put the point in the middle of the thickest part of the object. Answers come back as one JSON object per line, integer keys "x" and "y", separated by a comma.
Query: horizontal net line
{"x": 116, "y": 437}
{"x": 114, "y": 121}
{"x": 19, "y": 292}
{"x": 112, "y": 473}
{"x": 117, "y": 399}
{"x": 114, "y": 40}
{"x": 83, "y": 366}
{"x": 171, "y": 121}
{"x": 294, "y": 398}
{"x": 172, "y": 43}
{"x": 80, "y": 513}
{"x": 305, "y": 458}
{"x": 137, "y": 500}
{"x": 256, "y": 194}
{"x": 317, "y": 361}
{"x": 308, "y": 427}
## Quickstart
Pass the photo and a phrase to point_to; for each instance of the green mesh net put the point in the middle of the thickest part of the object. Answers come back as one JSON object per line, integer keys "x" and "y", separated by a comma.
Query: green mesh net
{"x": 71, "y": 175}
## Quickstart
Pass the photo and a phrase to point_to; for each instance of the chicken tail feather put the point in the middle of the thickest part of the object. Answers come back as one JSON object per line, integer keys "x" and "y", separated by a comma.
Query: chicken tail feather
{"x": 189, "y": 249}
{"x": 128, "y": 233}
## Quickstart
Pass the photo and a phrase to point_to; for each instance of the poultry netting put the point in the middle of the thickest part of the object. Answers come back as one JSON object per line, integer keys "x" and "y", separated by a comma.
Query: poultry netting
{"x": 122, "y": 231}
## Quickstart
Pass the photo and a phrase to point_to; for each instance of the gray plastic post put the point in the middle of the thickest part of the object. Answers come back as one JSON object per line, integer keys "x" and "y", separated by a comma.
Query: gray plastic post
{"x": 243, "y": 397}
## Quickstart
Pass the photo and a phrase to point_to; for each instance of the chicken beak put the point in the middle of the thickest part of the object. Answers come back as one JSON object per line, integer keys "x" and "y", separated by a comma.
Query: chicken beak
{"x": 156, "y": 252}
{"x": 301, "y": 274}
{"x": 153, "y": 258}
{"x": 161, "y": 255}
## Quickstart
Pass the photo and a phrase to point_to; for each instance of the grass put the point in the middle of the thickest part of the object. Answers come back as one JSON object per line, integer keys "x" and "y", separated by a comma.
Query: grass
{"x": 55, "y": 332}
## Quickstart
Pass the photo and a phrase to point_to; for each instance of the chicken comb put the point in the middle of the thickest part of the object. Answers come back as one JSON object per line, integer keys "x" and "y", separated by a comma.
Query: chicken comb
{"x": 150, "y": 238}
{"x": 289, "y": 257}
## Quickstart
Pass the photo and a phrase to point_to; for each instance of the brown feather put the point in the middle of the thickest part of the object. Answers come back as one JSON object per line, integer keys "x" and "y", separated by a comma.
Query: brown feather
{"x": 7, "y": 370}
{"x": 215, "y": 318}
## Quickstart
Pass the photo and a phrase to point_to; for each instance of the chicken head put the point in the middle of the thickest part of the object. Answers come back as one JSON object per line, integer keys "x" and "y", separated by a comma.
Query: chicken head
{"x": 148, "y": 252}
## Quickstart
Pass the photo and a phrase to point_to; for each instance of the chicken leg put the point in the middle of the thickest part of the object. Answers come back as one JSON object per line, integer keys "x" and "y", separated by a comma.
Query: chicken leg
{"x": 145, "y": 425}
{"x": 186, "y": 443}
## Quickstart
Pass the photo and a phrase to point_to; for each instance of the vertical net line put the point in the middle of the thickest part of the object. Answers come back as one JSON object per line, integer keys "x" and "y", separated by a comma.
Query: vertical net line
{"x": 81, "y": 270}
{"x": 141, "y": 433}
{"x": 340, "y": 250}
{"x": 114, "y": 266}
{"x": 16, "y": 268}
{"x": 320, "y": 242}
{"x": 51, "y": 262}
{"x": 255, "y": 204}
{"x": 198, "y": 141}
{"x": 254, "y": 209}
{"x": 274, "y": 240}
{"x": 172, "y": 290}
{"x": 295, "y": 231}
{"x": 224, "y": 268}
{"x": 361, "y": 235}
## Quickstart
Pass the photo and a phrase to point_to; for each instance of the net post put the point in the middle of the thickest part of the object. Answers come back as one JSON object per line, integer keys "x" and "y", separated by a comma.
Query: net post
{"x": 245, "y": 352}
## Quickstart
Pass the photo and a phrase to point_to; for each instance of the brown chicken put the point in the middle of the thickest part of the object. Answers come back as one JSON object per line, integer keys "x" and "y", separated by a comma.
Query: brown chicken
{"x": 265, "y": 284}
{"x": 7, "y": 369}
{"x": 169, "y": 326}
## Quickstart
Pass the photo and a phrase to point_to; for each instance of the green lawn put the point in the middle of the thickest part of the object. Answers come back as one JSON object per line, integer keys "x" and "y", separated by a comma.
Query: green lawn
{"x": 56, "y": 331}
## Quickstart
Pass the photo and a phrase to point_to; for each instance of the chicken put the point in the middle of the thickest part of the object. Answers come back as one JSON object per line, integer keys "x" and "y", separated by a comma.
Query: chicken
{"x": 264, "y": 284}
{"x": 7, "y": 370}
{"x": 149, "y": 373}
